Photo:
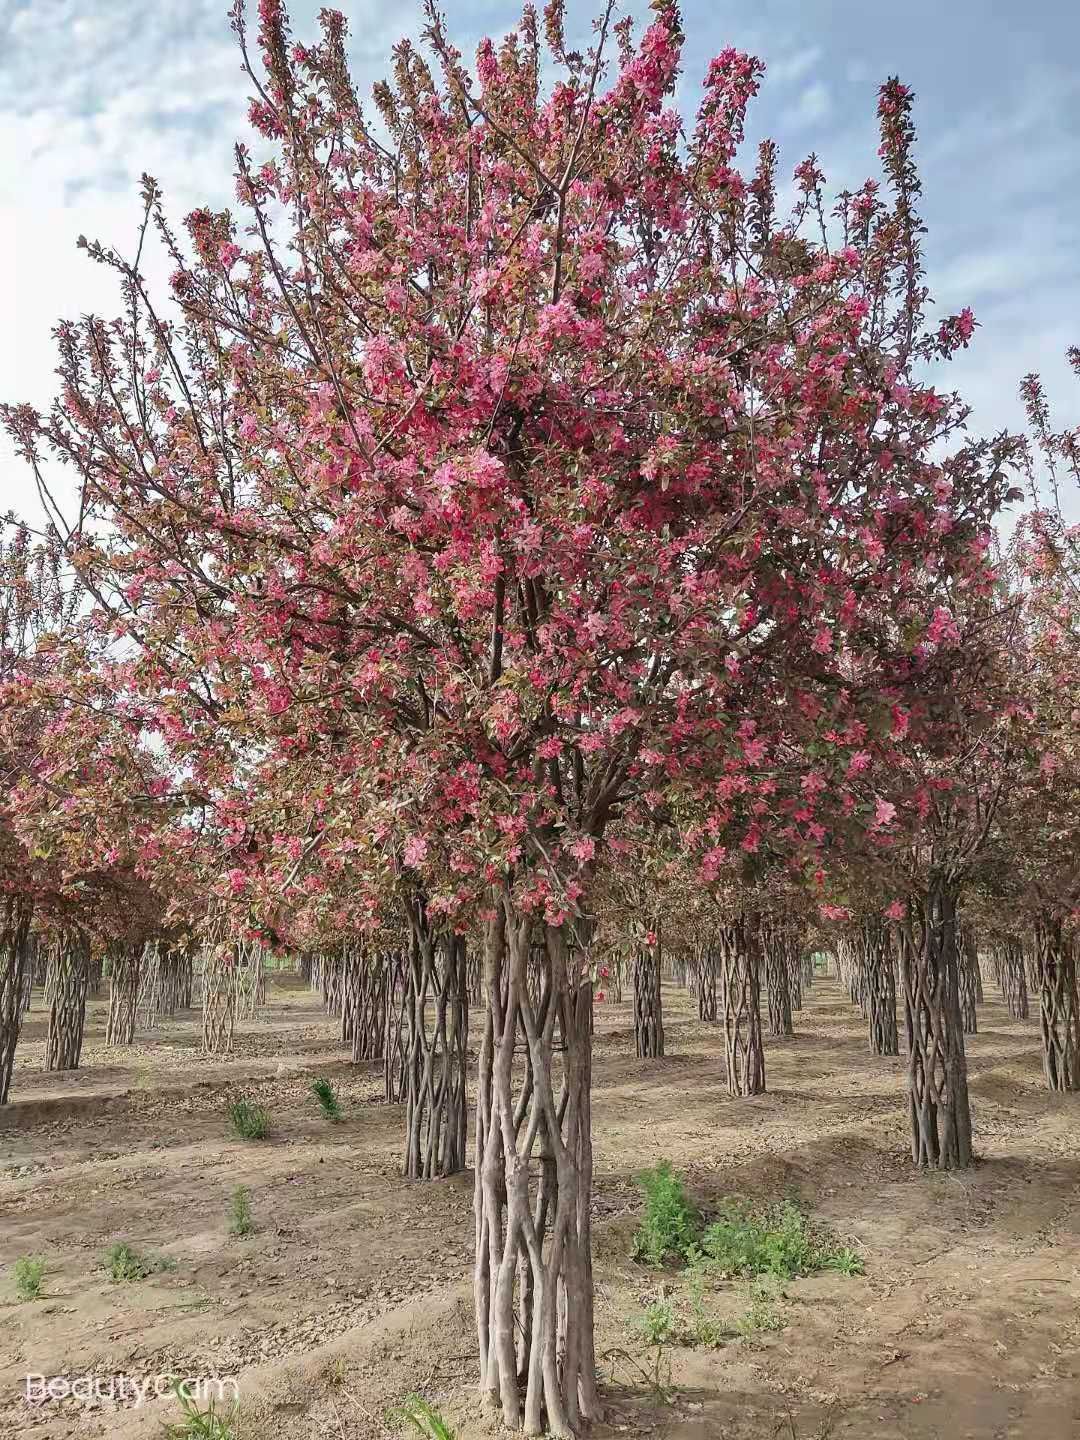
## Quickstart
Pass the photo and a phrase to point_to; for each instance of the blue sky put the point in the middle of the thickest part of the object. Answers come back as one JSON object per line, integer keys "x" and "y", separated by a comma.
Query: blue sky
{"x": 94, "y": 92}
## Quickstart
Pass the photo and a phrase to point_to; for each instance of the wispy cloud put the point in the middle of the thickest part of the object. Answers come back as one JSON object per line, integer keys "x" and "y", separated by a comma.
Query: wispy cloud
{"x": 94, "y": 92}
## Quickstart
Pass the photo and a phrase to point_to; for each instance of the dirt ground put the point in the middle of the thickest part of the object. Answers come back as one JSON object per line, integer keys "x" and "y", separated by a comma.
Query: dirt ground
{"x": 354, "y": 1291}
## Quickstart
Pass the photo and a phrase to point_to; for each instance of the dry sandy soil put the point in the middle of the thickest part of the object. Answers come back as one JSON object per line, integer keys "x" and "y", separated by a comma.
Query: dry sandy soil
{"x": 354, "y": 1291}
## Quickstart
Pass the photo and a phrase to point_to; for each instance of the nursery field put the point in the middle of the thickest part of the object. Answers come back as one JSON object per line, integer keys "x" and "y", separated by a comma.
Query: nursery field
{"x": 352, "y": 1289}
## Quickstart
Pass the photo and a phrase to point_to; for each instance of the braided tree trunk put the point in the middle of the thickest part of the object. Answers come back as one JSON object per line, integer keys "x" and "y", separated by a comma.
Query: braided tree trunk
{"x": 1059, "y": 1004}
{"x": 533, "y": 1278}
{"x": 352, "y": 965}
{"x": 1011, "y": 977}
{"x": 740, "y": 989}
{"x": 437, "y": 1040}
{"x": 333, "y": 974}
{"x": 706, "y": 983}
{"x": 367, "y": 1015}
{"x": 124, "y": 967}
{"x": 218, "y": 999}
{"x": 968, "y": 976}
{"x": 399, "y": 1014}
{"x": 151, "y": 984}
{"x": 67, "y": 984}
{"x": 937, "y": 1067}
{"x": 879, "y": 980}
{"x": 777, "y": 979}
{"x": 795, "y": 972}
{"x": 15, "y": 966}
{"x": 648, "y": 1010}
{"x": 807, "y": 966}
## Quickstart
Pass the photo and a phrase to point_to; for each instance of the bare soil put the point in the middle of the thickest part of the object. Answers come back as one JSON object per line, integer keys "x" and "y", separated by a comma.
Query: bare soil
{"x": 355, "y": 1289}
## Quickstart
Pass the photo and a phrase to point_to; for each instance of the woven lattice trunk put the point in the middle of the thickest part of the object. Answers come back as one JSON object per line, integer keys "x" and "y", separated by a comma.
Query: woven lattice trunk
{"x": 533, "y": 1179}
{"x": 740, "y": 987}
{"x": 67, "y": 984}
{"x": 124, "y": 967}
{"x": 1059, "y": 1003}
{"x": 939, "y": 1110}
{"x": 16, "y": 966}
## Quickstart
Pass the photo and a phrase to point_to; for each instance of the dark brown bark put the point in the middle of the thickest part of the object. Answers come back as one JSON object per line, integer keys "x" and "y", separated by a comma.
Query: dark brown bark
{"x": 1059, "y": 1003}
{"x": 67, "y": 984}
{"x": 939, "y": 1109}
{"x": 533, "y": 1277}
{"x": 740, "y": 989}
{"x": 124, "y": 967}
{"x": 15, "y": 966}
{"x": 648, "y": 1007}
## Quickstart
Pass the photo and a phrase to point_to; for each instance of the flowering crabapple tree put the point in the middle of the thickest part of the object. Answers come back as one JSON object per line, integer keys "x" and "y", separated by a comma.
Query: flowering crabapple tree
{"x": 1043, "y": 816}
{"x": 524, "y": 453}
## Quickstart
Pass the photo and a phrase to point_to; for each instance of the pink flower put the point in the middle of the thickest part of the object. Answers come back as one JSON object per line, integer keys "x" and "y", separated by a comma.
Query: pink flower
{"x": 822, "y": 640}
{"x": 228, "y": 255}
{"x": 415, "y": 850}
{"x": 884, "y": 814}
{"x": 895, "y": 911}
{"x": 583, "y": 849}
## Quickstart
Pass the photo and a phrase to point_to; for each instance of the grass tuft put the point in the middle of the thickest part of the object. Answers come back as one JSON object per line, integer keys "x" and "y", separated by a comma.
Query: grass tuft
{"x": 250, "y": 1121}
{"x": 423, "y": 1419}
{"x": 200, "y": 1424}
{"x": 324, "y": 1094}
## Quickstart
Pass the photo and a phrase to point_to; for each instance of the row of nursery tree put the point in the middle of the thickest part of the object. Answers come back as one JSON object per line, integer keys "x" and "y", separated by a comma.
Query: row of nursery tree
{"x": 515, "y": 547}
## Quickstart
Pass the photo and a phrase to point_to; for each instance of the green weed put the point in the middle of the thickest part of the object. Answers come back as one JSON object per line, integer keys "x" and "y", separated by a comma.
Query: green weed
{"x": 126, "y": 1264}
{"x": 29, "y": 1275}
{"x": 671, "y": 1223}
{"x": 658, "y": 1323}
{"x": 780, "y": 1241}
{"x": 240, "y": 1221}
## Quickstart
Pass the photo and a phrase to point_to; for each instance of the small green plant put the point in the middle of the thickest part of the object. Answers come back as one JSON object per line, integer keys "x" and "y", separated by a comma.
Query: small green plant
{"x": 658, "y": 1323}
{"x": 763, "y": 1313}
{"x": 424, "y": 1419}
{"x": 29, "y": 1276}
{"x": 324, "y": 1093}
{"x": 671, "y": 1223}
{"x": 200, "y": 1424}
{"x": 250, "y": 1121}
{"x": 844, "y": 1261}
{"x": 240, "y": 1221}
{"x": 781, "y": 1241}
{"x": 126, "y": 1264}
